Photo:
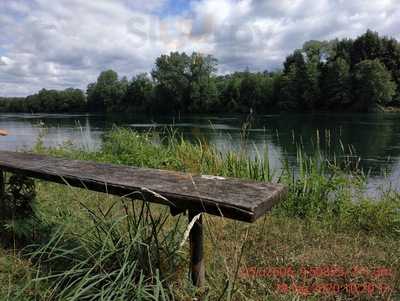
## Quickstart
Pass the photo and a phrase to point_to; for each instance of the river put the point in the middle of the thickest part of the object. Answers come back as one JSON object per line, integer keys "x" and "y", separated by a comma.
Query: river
{"x": 374, "y": 139}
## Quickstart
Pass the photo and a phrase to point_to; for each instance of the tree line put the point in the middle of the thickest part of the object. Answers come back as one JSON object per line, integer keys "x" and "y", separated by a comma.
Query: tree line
{"x": 338, "y": 75}
{"x": 46, "y": 101}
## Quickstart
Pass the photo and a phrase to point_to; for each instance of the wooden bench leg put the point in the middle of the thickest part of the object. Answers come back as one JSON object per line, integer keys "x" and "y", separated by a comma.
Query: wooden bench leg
{"x": 196, "y": 251}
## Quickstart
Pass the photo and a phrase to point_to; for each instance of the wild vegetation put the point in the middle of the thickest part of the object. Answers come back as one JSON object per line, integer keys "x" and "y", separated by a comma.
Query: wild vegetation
{"x": 80, "y": 245}
{"x": 338, "y": 75}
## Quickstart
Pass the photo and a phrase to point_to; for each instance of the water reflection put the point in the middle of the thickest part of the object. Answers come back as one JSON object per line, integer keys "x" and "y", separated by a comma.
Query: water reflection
{"x": 373, "y": 137}
{"x": 25, "y": 129}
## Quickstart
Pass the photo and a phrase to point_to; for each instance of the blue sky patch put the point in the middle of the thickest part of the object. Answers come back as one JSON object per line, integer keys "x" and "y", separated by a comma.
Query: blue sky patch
{"x": 176, "y": 7}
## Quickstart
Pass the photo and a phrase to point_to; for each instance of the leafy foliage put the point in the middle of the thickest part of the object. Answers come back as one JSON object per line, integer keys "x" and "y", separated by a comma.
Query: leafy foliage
{"x": 107, "y": 93}
{"x": 19, "y": 222}
{"x": 373, "y": 84}
{"x": 47, "y": 101}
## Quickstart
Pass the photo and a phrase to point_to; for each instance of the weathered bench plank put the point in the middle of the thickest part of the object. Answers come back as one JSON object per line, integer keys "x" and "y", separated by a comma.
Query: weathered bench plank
{"x": 231, "y": 198}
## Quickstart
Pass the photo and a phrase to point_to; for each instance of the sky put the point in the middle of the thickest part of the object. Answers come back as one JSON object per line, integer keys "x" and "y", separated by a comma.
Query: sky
{"x": 67, "y": 43}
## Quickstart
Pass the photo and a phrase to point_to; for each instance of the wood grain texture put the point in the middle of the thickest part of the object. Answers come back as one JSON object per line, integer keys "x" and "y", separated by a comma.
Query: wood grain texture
{"x": 227, "y": 197}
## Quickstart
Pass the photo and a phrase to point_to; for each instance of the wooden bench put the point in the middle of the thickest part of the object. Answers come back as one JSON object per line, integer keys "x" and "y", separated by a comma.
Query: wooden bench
{"x": 226, "y": 197}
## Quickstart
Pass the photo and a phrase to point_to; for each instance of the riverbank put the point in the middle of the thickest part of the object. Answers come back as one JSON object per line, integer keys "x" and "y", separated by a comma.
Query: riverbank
{"x": 96, "y": 246}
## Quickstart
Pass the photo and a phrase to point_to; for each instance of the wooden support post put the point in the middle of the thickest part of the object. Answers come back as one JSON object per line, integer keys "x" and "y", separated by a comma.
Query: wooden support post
{"x": 196, "y": 251}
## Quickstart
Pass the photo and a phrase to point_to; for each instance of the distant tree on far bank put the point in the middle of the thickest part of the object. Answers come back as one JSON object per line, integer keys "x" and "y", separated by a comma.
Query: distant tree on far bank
{"x": 336, "y": 84}
{"x": 185, "y": 83}
{"x": 107, "y": 94}
{"x": 139, "y": 95}
{"x": 47, "y": 101}
{"x": 373, "y": 85}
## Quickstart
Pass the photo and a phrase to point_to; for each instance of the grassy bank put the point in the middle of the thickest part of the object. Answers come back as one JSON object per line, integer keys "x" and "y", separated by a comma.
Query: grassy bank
{"x": 87, "y": 246}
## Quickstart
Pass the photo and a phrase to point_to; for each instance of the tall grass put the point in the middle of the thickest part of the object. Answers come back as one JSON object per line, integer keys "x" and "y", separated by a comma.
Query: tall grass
{"x": 125, "y": 250}
{"x": 124, "y": 257}
{"x": 320, "y": 185}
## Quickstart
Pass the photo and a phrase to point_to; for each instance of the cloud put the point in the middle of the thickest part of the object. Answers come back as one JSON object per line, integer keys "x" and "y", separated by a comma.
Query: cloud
{"x": 58, "y": 44}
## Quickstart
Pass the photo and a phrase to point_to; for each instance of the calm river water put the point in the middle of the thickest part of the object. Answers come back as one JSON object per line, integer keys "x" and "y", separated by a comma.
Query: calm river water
{"x": 374, "y": 138}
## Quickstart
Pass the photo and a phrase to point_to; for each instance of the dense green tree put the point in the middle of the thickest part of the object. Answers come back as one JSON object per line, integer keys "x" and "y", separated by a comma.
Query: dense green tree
{"x": 184, "y": 82}
{"x": 255, "y": 92}
{"x": 366, "y": 47}
{"x": 250, "y": 91}
{"x": 294, "y": 83}
{"x": 336, "y": 85}
{"x": 317, "y": 51}
{"x": 107, "y": 93}
{"x": 172, "y": 81}
{"x": 13, "y": 104}
{"x": 139, "y": 96}
{"x": 73, "y": 100}
{"x": 204, "y": 96}
{"x": 311, "y": 94}
{"x": 341, "y": 49}
{"x": 391, "y": 59}
{"x": 245, "y": 91}
{"x": 370, "y": 46}
{"x": 372, "y": 85}
{"x": 203, "y": 92}
{"x": 319, "y": 76}
{"x": 230, "y": 93}
{"x": 287, "y": 90}
{"x": 47, "y": 101}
